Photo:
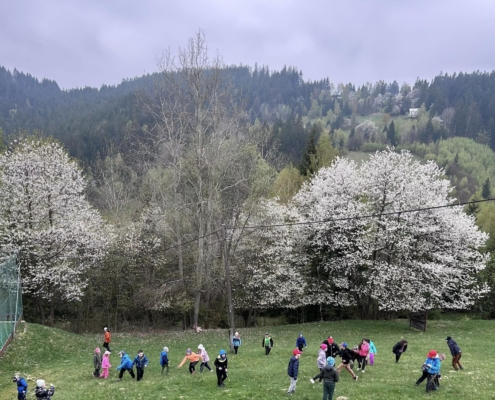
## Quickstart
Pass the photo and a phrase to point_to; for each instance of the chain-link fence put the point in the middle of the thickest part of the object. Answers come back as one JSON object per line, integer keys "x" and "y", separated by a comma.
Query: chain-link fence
{"x": 10, "y": 300}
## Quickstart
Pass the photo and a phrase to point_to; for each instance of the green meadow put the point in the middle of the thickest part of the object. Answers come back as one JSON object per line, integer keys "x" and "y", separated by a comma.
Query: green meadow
{"x": 65, "y": 360}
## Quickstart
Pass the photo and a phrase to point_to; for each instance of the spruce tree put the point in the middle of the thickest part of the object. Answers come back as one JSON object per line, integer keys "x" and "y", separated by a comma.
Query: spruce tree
{"x": 391, "y": 135}
{"x": 486, "y": 190}
{"x": 306, "y": 166}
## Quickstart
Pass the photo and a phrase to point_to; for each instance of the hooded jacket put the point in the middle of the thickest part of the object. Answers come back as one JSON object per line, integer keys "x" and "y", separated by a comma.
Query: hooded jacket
{"x": 221, "y": 362}
{"x": 454, "y": 348}
{"x": 163, "y": 358}
{"x": 346, "y": 355}
{"x": 105, "y": 363}
{"x": 140, "y": 362}
{"x": 372, "y": 348}
{"x": 301, "y": 341}
{"x": 433, "y": 365}
{"x": 97, "y": 360}
{"x": 321, "y": 361}
{"x": 45, "y": 394}
{"x": 21, "y": 385}
{"x": 329, "y": 374}
{"x": 125, "y": 362}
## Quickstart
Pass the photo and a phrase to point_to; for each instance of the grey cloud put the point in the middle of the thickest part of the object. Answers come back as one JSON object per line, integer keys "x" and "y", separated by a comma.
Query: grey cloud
{"x": 91, "y": 42}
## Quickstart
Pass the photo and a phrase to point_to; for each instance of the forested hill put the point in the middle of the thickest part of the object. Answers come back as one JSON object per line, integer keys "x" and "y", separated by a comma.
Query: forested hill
{"x": 87, "y": 120}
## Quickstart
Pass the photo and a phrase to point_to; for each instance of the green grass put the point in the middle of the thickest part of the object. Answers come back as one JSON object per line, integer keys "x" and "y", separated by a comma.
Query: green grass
{"x": 65, "y": 360}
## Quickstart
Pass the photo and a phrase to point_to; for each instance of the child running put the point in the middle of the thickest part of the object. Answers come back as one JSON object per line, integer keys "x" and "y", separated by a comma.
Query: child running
{"x": 346, "y": 356}
{"x": 202, "y": 352}
{"x": 330, "y": 377}
{"x": 125, "y": 365}
{"x": 105, "y": 364}
{"x": 321, "y": 361}
{"x": 236, "y": 341}
{"x": 193, "y": 360}
{"x": 293, "y": 370}
{"x": 221, "y": 364}
{"x": 399, "y": 348}
{"x": 164, "y": 359}
{"x": 364, "y": 349}
{"x": 372, "y": 353}
{"x": 97, "y": 362}
{"x": 456, "y": 353}
{"x": 431, "y": 367}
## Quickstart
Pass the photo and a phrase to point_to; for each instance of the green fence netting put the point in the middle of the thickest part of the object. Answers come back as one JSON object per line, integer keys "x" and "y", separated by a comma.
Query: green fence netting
{"x": 10, "y": 299}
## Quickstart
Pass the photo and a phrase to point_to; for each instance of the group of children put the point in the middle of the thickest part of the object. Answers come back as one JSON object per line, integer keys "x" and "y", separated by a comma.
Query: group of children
{"x": 329, "y": 350}
{"x": 141, "y": 361}
{"x": 41, "y": 391}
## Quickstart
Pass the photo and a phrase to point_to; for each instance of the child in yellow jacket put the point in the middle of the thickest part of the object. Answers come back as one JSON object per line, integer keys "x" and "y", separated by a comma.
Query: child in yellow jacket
{"x": 193, "y": 360}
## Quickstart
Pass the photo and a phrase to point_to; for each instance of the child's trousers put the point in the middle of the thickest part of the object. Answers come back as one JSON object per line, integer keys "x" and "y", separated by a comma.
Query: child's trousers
{"x": 203, "y": 365}
{"x": 267, "y": 350}
{"x": 236, "y": 348}
{"x": 139, "y": 373}
{"x": 163, "y": 367}
{"x": 131, "y": 371}
{"x": 96, "y": 374}
{"x": 192, "y": 366}
{"x": 292, "y": 387}
{"x": 372, "y": 358}
{"x": 221, "y": 376}
{"x": 104, "y": 374}
{"x": 328, "y": 389}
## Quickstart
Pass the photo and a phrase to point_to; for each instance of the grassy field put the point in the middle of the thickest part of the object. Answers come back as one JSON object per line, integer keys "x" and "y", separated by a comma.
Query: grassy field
{"x": 65, "y": 360}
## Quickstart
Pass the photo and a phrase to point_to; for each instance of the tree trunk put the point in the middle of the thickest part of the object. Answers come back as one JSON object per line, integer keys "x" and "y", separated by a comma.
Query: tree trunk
{"x": 42, "y": 310}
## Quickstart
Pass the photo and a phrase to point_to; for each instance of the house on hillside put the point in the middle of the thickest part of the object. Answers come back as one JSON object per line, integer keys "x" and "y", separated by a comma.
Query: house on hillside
{"x": 413, "y": 113}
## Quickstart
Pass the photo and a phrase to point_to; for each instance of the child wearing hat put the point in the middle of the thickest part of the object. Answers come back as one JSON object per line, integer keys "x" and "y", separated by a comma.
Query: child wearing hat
{"x": 236, "y": 341}
{"x": 455, "y": 351}
{"x": 125, "y": 365}
{"x": 267, "y": 343}
{"x": 321, "y": 361}
{"x": 430, "y": 367}
{"x": 330, "y": 377}
{"x": 293, "y": 370}
{"x": 202, "y": 352}
{"x": 164, "y": 359}
{"x": 97, "y": 362}
{"x": 42, "y": 392}
{"x": 193, "y": 359}
{"x": 221, "y": 364}
{"x": 105, "y": 365}
{"x": 347, "y": 355}
{"x": 301, "y": 342}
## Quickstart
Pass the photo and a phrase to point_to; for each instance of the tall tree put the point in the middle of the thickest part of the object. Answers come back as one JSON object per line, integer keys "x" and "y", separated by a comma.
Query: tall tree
{"x": 306, "y": 166}
{"x": 486, "y": 191}
{"x": 391, "y": 134}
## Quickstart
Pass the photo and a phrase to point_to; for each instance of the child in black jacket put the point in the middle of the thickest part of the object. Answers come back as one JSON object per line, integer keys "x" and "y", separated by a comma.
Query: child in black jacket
{"x": 267, "y": 343}
{"x": 221, "y": 364}
{"x": 399, "y": 348}
{"x": 42, "y": 392}
{"x": 330, "y": 377}
{"x": 347, "y": 355}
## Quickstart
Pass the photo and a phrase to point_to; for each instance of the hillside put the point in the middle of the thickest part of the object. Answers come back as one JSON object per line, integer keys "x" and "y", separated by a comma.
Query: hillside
{"x": 66, "y": 361}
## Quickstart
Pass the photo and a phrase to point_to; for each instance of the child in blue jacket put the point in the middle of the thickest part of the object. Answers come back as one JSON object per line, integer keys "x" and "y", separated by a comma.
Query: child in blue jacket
{"x": 125, "y": 365}
{"x": 22, "y": 387}
{"x": 141, "y": 362}
{"x": 431, "y": 367}
{"x": 301, "y": 342}
{"x": 236, "y": 341}
{"x": 164, "y": 359}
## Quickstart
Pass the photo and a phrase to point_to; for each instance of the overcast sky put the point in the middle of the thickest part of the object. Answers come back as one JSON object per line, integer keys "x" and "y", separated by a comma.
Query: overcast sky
{"x": 95, "y": 42}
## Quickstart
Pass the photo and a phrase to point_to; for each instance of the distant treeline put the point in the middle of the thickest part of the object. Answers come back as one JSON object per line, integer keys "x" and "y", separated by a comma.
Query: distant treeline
{"x": 88, "y": 120}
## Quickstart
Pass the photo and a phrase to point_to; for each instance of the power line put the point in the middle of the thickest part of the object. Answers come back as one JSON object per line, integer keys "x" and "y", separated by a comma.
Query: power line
{"x": 364, "y": 216}
{"x": 356, "y": 217}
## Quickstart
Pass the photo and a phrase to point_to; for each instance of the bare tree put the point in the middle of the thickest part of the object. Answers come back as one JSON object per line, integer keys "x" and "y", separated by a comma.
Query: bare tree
{"x": 207, "y": 165}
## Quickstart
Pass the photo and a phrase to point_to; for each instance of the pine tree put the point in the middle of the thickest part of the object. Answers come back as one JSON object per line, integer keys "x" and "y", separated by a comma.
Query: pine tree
{"x": 306, "y": 166}
{"x": 391, "y": 134}
{"x": 486, "y": 190}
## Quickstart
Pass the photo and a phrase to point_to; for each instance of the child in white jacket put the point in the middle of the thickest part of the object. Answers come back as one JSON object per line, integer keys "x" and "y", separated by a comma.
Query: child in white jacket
{"x": 206, "y": 359}
{"x": 321, "y": 361}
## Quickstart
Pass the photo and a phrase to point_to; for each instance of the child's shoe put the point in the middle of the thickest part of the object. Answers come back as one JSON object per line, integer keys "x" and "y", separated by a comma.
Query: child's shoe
{"x": 356, "y": 378}
{"x": 312, "y": 380}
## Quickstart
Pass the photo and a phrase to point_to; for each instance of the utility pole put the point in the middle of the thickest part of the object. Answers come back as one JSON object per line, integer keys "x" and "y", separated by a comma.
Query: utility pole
{"x": 229, "y": 288}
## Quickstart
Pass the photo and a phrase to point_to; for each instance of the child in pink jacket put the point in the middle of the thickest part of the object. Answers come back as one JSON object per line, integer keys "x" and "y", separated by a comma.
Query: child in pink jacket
{"x": 105, "y": 364}
{"x": 364, "y": 349}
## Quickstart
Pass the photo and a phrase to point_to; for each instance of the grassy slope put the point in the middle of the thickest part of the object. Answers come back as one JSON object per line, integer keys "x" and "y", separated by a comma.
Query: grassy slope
{"x": 66, "y": 361}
